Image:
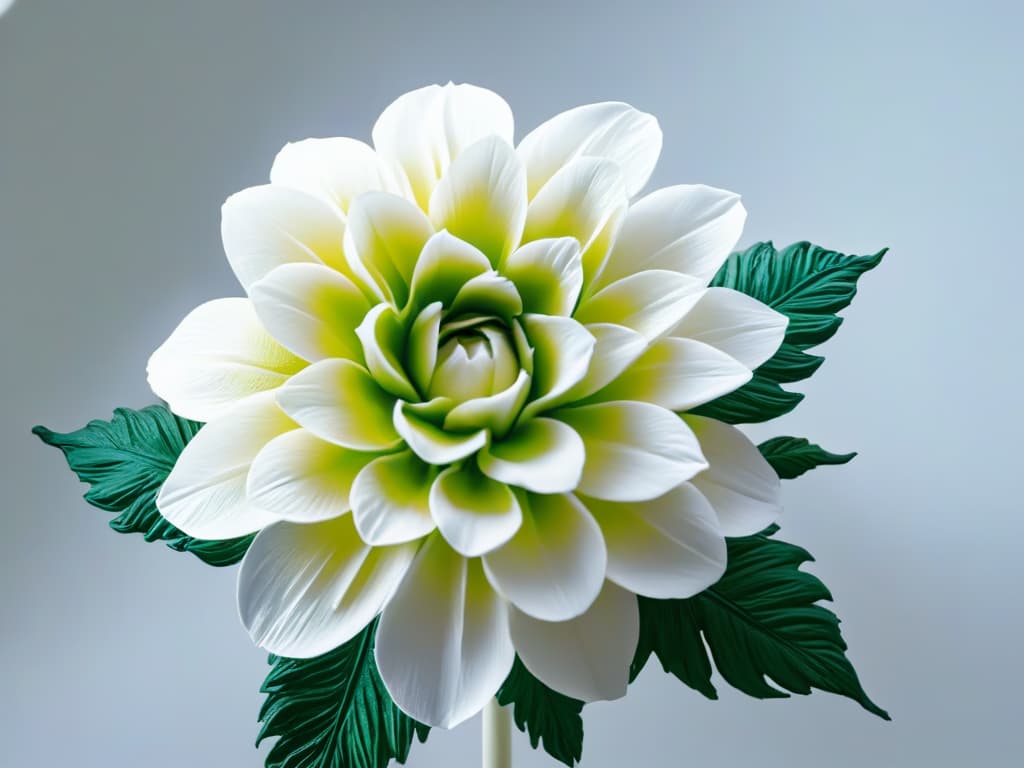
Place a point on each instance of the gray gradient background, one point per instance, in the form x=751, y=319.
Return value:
x=124, y=125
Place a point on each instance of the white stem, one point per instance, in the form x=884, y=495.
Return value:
x=497, y=736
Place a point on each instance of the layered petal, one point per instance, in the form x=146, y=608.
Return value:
x=541, y=455
x=678, y=374
x=425, y=130
x=444, y=267
x=383, y=340
x=219, y=355
x=588, y=657
x=634, y=451
x=482, y=198
x=336, y=170
x=689, y=228
x=312, y=310
x=740, y=484
x=585, y=200
x=474, y=513
x=553, y=568
x=390, y=499
x=650, y=303
x=612, y=130
x=737, y=324
x=562, y=352
x=301, y=478
x=548, y=274
x=339, y=401
x=265, y=227
x=304, y=590
x=432, y=443
x=443, y=645
x=383, y=242
x=205, y=493
x=496, y=412
x=669, y=547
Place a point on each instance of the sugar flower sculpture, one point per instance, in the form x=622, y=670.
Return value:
x=472, y=428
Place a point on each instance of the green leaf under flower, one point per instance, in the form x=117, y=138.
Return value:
x=790, y=457
x=332, y=711
x=761, y=622
x=807, y=283
x=125, y=461
x=544, y=714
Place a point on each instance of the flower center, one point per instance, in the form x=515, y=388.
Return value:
x=472, y=362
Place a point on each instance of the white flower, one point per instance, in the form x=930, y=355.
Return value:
x=452, y=396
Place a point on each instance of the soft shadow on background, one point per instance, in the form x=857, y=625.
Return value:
x=124, y=125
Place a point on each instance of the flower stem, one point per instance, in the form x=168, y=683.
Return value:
x=497, y=736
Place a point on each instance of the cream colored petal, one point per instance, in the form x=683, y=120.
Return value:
x=586, y=658
x=678, y=374
x=336, y=170
x=425, y=130
x=205, y=493
x=304, y=479
x=265, y=227
x=669, y=547
x=443, y=646
x=634, y=451
x=553, y=568
x=304, y=590
x=312, y=310
x=219, y=355
x=482, y=198
x=742, y=487
x=612, y=130
x=339, y=401
x=737, y=324
x=689, y=228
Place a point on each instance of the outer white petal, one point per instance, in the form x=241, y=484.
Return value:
x=553, y=568
x=385, y=236
x=312, y=310
x=541, y=455
x=585, y=200
x=612, y=130
x=443, y=647
x=739, y=483
x=304, y=590
x=204, y=495
x=548, y=274
x=482, y=198
x=218, y=355
x=588, y=657
x=336, y=170
x=669, y=547
x=678, y=374
x=650, y=302
x=265, y=227
x=390, y=499
x=615, y=349
x=635, y=451
x=339, y=401
x=301, y=478
x=689, y=229
x=423, y=131
x=474, y=513
x=737, y=324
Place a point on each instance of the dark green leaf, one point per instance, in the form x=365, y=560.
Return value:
x=761, y=622
x=808, y=284
x=544, y=714
x=125, y=461
x=333, y=711
x=792, y=456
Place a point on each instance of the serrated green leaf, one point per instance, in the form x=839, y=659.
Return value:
x=544, y=714
x=792, y=456
x=808, y=284
x=333, y=711
x=761, y=622
x=125, y=461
